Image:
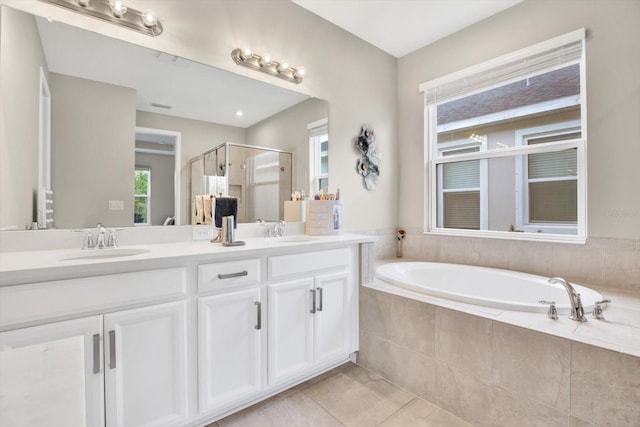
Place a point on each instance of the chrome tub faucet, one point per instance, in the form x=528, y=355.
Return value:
x=577, y=310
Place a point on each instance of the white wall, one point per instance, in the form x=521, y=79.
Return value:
x=92, y=158
x=357, y=79
x=21, y=57
x=613, y=99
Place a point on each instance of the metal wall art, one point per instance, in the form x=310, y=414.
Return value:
x=368, y=164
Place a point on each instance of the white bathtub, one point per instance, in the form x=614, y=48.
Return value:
x=488, y=287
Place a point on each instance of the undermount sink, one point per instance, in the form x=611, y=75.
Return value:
x=291, y=239
x=101, y=253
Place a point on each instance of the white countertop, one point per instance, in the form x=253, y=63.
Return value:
x=24, y=266
x=619, y=331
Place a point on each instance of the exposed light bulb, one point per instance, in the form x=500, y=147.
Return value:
x=300, y=72
x=283, y=68
x=148, y=18
x=265, y=61
x=118, y=9
x=246, y=54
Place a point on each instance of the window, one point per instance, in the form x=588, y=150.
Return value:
x=505, y=145
x=142, y=197
x=319, y=154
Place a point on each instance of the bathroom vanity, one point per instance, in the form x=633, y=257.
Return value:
x=173, y=334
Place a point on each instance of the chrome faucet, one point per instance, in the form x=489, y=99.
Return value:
x=577, y=311
x=104, y=239
x=102, y=236
x=277, y=228
x=272, y=229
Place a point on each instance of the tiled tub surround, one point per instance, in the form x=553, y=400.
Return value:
x=491, y=373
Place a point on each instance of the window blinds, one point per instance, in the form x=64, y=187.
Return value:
x=554, y=54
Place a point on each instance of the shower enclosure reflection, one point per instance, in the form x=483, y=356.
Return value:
x=260, y=178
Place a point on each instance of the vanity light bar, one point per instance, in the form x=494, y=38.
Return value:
x=115, y=12
x=267, y=64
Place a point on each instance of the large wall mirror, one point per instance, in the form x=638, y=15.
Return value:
x=124, y=123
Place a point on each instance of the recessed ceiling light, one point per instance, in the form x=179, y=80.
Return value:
x=239, y=113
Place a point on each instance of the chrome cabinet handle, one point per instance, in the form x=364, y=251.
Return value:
x=259, y=315
x=321, y=299
x=112, y=349
x=96, y=353
x=313, y=301
x=231, y=275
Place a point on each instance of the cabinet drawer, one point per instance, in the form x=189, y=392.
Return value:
x=319, y=261
x=230, y=274
x=37, y=301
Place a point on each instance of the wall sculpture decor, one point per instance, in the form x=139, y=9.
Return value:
x=369, y=162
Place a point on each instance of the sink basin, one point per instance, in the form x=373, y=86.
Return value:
x=291, y=239
x=101, y=253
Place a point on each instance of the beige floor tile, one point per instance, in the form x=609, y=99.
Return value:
x=293, y=410
x=357, y=397
x=420, y=413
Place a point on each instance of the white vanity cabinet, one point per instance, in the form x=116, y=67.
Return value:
x=230, y=334
x=309, y=316
x=121, y=368
x=53, y=372
x=146, y=366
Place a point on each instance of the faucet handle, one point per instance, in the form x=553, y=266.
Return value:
x=111, y=241
x=87, y=243
x=597, y=309
x=552, y=313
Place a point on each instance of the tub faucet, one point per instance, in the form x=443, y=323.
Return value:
x=577, y=311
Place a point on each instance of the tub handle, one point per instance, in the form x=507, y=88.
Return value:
x=552, y=313
x=597, y=309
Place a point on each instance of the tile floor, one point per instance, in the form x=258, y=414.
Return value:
x=346, y=396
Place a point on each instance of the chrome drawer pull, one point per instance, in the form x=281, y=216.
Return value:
x=313, y=301
x=231, y=275
x=96, y=353
x=259, y=315
x=321, y=299
x=112, y=349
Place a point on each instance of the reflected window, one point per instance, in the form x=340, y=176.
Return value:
x=319, y=155
x=505, y=145
x=142, y=196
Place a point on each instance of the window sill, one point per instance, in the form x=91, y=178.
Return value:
x=509, y=235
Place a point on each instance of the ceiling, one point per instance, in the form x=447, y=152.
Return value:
x=192, y=90
x=401, y=26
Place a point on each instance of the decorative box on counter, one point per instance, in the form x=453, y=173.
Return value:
x=295, y=211
x=324, y=217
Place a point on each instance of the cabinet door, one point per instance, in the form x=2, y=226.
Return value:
x=290, y=329
x=52, y=374
x=145, y=366
x=229, y=356
x=331, y=320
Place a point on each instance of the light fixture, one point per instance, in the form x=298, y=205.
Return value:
x=265, y=63
x=116, y=12
x=239, y=113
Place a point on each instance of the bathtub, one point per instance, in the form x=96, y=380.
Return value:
x=488, y=287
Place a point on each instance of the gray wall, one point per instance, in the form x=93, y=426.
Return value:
x=288, y=131
x=92, y=160
x=612, y=95
x=162, y=200
x=357, y=79
x=21, y=57
x=196, y=138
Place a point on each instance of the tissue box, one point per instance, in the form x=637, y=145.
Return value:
x=324, y=217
